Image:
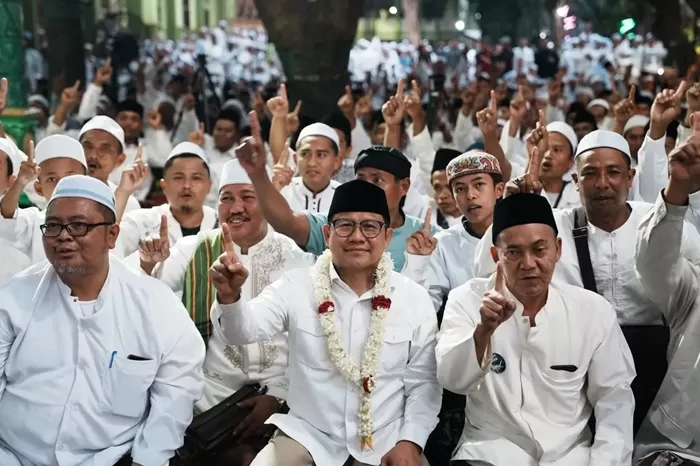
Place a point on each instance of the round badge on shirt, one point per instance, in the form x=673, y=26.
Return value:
x=498, y=364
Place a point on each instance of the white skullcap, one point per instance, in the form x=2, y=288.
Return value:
x=542, y=94
x=603, y=138
x=105, y=124
x=59, y=146
x=188, y=148
x=600, y=102
x=234, y=173
x=85, y=187
x=637, y=121
x=566, y=131
x=587, y=91
x=318, y=129
x=38, y=99
x=13, y=153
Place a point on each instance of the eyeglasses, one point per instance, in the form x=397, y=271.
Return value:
x=369, y=228
x=52, y=230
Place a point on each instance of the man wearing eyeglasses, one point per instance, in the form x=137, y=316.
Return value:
x=88, y=372
x=362, y=371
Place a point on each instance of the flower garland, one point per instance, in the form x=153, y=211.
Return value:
x=362, y=375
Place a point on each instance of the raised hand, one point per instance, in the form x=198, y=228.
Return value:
x=197, y=137
x=251, y=152
x=228, y=274
x=519, y=106
x=667, y=106
x=293, y=118
x=70, y=96
x=134, y=175
x=4, y=85
x=413, y=102
x=684, y=163
x=104, y=73
x=422, y=242
x=530, y=181
x=282, y=173
x=346, y=103
x=487, y=119
x=393, y=109
x=625, y=109
x=156, y=249
x=538, y=137
x=28, y=169
x=279, y=105
x=692, y=98
x=495, y=308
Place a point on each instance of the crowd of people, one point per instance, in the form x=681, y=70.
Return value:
x=501, y=271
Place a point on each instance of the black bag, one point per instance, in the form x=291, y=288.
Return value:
x=648, y=343
x=209, y=432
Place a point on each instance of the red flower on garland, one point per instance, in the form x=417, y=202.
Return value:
x=381, y=302
x=368, y=384
x=325, y=307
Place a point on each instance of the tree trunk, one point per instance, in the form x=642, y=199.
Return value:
x=667, y=26
x=64, y=32
x=313, y=39
x=411, y=16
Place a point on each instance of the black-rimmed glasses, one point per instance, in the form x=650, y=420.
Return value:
x=52, y=230
x=369, y=228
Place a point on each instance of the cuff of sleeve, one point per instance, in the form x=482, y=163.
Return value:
x=694, y=200
x=148, y=458
x=661, y=142
x=414, y=432
x=416, y=264
x=673, y=212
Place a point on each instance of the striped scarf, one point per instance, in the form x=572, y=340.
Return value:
x=199, y=293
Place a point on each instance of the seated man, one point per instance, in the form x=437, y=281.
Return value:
x=97, y=361
x=362, y=386
x=535, y=358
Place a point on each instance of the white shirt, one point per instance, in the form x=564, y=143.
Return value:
x=22, y=232
x=301, y=198
x=612, y=256
x=323, y=405
x=673, y=422
x=227, y=368
x=131, y=204
x=519, y=409
x=60, y=401
x=445, y=269
x=145, y=223
x=567, y=198
x=13, y=260
x=130, y=152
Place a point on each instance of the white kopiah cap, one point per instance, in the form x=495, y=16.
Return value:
x=234, y=173
x=59, y=146
x=318, y=129
x=637, y=121
x=566, y=131
x=85, y=187
x=15, y=155
x=598, y=102
x=105, y=124
x=188, y=148
x=603, y=139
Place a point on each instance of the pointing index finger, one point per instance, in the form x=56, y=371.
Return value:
x=163, y=228
x=4, y=84
x=534, y=167
x=498, y=285
x=226, y=239
x=682, y=87
x=30, y=154
x=428, y=220
x=284, y=156
x=493, y=104
x=283, y=92
x=632, y=94
x=139, y=154
x=399, y=90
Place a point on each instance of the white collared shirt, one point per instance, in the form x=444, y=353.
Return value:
x=323, y=405
x=145, y=223
x=22, y=232
x=520, y=409
x=69, y=391
x=301, y=198
x=612, y=257
x=13, y=260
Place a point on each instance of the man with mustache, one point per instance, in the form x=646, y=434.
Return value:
x=606, y=225
x=185, y=267
x=186, y=183
x=535, y=358
x=103, y=142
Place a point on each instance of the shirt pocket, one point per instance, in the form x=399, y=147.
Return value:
x=310, y=346
x=395, y=350
x=128, y=386
x=563, y=398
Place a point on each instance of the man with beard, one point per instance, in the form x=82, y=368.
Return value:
x=54, y=158
x=186, y=183
x=184, y=268
x=88, y=372
x=535, y=358
x=103, y=142
x=597, y=254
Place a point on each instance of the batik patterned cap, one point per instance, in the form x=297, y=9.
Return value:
x=474, y=161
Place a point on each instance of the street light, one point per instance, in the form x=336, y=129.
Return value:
x=393, y=10
x=563, y=11
x=459, y=25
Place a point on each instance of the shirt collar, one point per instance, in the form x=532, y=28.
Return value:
x=336, y=280
x=254, y=248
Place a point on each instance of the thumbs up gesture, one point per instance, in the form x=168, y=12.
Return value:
x=422, y=243
x=228, y=274
x=495, y=308
x=157, y=249
x=28, y=169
